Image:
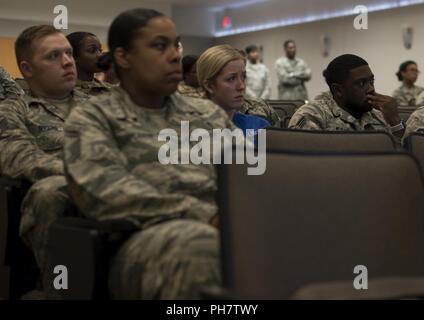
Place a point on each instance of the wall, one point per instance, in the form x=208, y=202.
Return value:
x=381, y=45
x=83, y=15
x=195, y=45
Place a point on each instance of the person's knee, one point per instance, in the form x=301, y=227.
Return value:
x=45, y=201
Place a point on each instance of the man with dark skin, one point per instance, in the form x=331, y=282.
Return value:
x=292, y=73
x=352, y=103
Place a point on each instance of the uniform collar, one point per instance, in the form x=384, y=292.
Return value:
x=345, y=116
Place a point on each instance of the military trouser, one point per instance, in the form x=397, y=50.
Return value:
x=46, y=201
x=175, y=259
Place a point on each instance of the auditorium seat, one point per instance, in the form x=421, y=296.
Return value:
x=18, y=269
x=328, y=141
x=285, y=109
x=414, y=143
x=312, y=218
x=86, y=247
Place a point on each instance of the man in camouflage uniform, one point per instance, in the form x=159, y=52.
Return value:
x=292, y=73
x=8, y=87
x=114, y=173
x=258, y=82
x=352, y=103
x=31, y=131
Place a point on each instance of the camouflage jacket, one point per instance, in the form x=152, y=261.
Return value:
x=258, y=82
x=31, y=137
x=259, y=108
x=111, y=159
x=420, y=99
x=93, y=88
x=189, y=91
x=415, y=122
x=8, y=87
x=407, y=96
x=292, y=75
x=324, y=114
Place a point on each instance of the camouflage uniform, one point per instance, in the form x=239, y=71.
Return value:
x=23, y=85
x=189, y=91
x=111, y=159
x=258, y=83
x=324, y=114
x=292, y=75
x=415, y=122
x=31, y=144
x=420, y=99
x=8, y=87
x=407, y=96
x=92, y=88
x=259, y=108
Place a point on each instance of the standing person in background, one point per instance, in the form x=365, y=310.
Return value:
x=258, y=83
x=8, y=87
x=292, y=73
x=86, y=51
x=408, y=92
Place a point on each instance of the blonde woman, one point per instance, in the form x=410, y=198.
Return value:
x=221, y=71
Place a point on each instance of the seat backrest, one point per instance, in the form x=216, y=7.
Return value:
x=415, y=144
x=328, y=141
x=313, y=218
x=285, y=109
x=406, y=111
x=18, y=269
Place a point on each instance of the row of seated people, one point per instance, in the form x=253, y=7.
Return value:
x=100, y=154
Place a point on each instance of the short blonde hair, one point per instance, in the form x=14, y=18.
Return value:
x=213, y=60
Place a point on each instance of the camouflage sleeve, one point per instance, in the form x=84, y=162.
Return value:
x=101, y=185
x=305, y=122
x=20, y=156
x=420, y=99
x=415, y=123
x=10, y=88
x=259, y=108
x=284, y=77
x=304, y=72
x=267, y=86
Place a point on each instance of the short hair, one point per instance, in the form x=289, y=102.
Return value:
x=251, y=48
x=287, y=42
x=76, y=39
x=213, y=60
x=24, y=42
x=125, y=27
x=338, y=69
x=187, y=62
x=403, y=67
